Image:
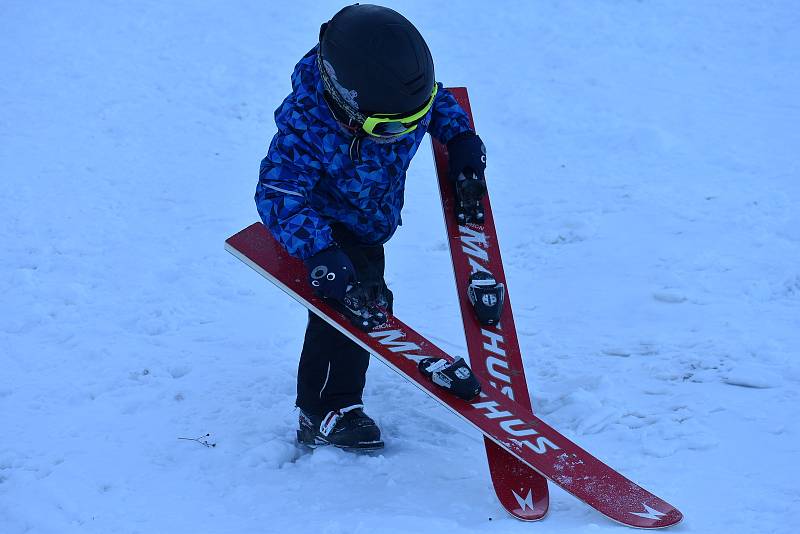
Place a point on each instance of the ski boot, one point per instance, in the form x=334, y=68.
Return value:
x=347, y=428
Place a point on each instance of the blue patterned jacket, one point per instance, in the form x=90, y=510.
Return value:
x=308, y=179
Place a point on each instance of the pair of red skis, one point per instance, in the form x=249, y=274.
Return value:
x=523, y=451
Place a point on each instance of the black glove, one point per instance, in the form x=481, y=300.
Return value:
x=467, y=156
x=467, y=163
x=331, y=273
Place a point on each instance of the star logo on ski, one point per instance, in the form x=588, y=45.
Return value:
x=649, y=513
x=527, y=502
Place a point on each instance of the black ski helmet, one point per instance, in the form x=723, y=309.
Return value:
x=376, y=60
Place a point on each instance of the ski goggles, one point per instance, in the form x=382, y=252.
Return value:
x=386, y=125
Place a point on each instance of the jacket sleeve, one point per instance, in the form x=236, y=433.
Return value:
x=288, y=174
x=447, y=118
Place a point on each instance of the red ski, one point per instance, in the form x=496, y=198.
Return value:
x=494, y=350
x=507, y=423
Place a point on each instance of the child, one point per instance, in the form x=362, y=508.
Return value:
x=331, y=189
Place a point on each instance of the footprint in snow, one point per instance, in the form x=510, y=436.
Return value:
x=669, y=297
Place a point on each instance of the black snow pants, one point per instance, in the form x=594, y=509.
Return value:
x=332, y=370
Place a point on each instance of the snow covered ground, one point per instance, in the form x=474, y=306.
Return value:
x=644, y=175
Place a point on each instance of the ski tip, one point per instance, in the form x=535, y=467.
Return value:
x=527, y=505
x=652, y=517
x=537, y=513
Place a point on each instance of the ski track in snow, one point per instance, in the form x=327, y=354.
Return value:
x=646, y=194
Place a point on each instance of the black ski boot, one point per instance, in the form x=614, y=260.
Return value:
x=347, y=428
